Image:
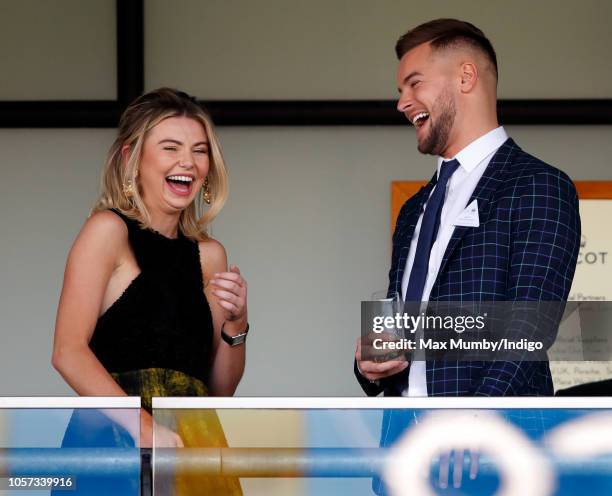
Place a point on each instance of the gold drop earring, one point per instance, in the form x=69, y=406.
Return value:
x=206, y=192
x=128, y=188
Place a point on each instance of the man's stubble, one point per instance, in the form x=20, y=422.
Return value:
x=437, y=140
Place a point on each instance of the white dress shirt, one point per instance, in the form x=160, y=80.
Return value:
x=473, y=160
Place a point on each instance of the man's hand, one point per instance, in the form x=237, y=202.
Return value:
x=458, y=457
x=375, y=370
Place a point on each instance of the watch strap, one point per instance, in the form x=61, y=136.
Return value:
x=236, y=340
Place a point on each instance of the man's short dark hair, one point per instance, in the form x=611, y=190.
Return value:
x=446, y=33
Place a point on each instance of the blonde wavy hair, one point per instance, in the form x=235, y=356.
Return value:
x=142, y=115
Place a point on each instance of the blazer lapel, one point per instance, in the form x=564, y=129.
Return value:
x=488, y=184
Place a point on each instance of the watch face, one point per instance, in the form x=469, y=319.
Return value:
x=234, y=340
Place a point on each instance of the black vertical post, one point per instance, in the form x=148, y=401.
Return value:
x=130, y=50
x=146, y=472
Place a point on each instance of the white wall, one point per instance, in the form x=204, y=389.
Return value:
x=58, y=50
x=307, y=221
x=344, y=49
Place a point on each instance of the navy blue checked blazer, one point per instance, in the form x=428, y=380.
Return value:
x=525, y=248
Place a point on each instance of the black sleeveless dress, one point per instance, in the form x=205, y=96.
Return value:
x=156, y=340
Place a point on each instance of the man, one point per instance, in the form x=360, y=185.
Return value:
x=521, y=240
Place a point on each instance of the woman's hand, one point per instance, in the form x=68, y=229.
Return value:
x=226, y=291
x=231, y=290
x=164, y=437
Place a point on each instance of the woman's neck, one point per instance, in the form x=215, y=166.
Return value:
x=166, y=224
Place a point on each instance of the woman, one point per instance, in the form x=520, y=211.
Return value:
x=148, y=307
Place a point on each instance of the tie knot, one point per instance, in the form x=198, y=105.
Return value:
x=447, y=169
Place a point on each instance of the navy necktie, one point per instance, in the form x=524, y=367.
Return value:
x=428, y=233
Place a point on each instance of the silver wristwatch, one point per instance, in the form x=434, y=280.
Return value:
x=234, y=340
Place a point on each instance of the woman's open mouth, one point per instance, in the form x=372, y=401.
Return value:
x=180, y=185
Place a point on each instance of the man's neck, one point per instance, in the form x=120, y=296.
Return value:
x=469, y=134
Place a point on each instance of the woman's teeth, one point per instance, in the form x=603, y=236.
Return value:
x=180, y=185
x=182, y=179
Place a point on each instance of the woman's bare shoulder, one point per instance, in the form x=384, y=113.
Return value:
x=99, y=249
x=213, y=257
x=103, y=229
x=107, y=221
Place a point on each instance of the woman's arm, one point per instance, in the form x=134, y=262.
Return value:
x=94, y=256
x=227, y=296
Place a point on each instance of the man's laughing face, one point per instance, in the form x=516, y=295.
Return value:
x=426, y=98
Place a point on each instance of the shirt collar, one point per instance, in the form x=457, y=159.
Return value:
x=479, y=149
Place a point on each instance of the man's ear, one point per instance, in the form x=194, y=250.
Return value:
x=469, y=76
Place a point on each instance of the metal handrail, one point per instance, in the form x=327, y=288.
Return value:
x=233, y=462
